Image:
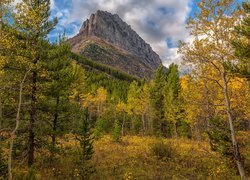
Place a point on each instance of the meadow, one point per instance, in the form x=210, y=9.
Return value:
x=136, y=157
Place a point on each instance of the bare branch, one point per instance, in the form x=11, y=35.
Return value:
x=211, y=79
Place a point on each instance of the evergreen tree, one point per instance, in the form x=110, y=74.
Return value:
x=242, y=44
x=116, y=134
x=32, y=25
x=172, y=98
x=157, y=100
x=219, y=137
x=86, y=151
x=61, y=76
x=26, y=49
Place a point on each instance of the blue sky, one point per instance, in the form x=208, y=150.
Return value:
x=161, y=23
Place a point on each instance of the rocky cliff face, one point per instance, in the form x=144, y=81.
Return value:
x=116, y=43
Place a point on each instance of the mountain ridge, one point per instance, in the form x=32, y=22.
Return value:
x=106, y=38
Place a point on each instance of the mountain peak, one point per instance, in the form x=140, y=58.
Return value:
x=113, y=30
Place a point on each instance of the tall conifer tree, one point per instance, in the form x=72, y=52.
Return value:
x=33, y=25
x=242, y=44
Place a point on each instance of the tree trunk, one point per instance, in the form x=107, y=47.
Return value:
x=237, y=155
x=100, y=107
x=55, y=123
x=143, y=122
x=175, y=130
x=31, y=145
x=123, y=122
x=1, y=18
x=146, y=122
x=1, y=115
x=90, y=114
x=208, y=115
x=1, y=110
x=13, y=133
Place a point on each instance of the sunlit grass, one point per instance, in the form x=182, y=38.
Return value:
x=135, y=158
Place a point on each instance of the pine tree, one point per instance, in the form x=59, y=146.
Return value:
x=172, y=98
x=116, y=134
x=219, y=137
x=157, y=100
x=61, y=76
x=32, y=25
x=86, y=151
x=242, y=44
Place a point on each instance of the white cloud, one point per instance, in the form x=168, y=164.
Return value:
x=154, y=20
x=167, y=17
x=17, y=1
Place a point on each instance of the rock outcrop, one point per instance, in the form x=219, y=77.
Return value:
x=106, y=38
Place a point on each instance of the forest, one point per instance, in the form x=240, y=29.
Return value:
x=63, y=116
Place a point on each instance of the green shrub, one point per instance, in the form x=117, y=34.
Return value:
x=220, y=137
x=3, y=166
x=31, y=174
x=116, y=134
x=105, y=122
x=164, y=151
x=84, y=169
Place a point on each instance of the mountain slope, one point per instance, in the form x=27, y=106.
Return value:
x=95, y=66
x=105, y=38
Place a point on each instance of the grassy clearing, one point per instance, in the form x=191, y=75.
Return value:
x=151, y=158
x=135, y=158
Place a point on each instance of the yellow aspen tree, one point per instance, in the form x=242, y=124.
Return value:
x=139, y=103
x=212, y=28
x=101, y=97
x=121, y=107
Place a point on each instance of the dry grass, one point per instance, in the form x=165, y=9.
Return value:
x=134, y=158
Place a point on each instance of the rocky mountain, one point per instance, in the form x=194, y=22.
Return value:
x=107, y=39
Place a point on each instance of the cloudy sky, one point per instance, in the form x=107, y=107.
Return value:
x=161, y=23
